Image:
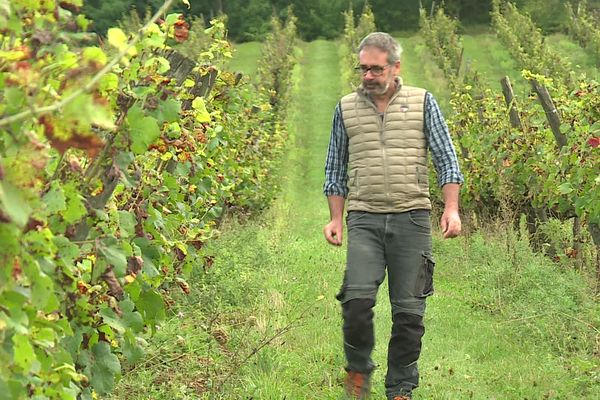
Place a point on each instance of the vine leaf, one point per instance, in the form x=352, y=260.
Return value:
x=118, y=39
x=13, y=203
x=55, y=199
x=132, y=319
x=23, y=352
x=75, y=209
x=105, y=369
x=151, y=306
x=168, y=111
x=202, y=114
x=114, y=255
x=143, y=130
x=131, y=350
x=127, y=223
x=42, y=292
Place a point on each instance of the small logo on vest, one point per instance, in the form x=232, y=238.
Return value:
x=404, y=107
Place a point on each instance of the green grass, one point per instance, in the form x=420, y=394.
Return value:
x=262, y=323
x=485, y=54
x=580, y=59
x=245, y=58
x=418, y=68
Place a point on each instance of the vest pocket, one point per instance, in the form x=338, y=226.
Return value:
x=422, y=179
x=355, y=183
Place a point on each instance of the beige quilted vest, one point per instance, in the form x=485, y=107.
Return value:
x=387, y=166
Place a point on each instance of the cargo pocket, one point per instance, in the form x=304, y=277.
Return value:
x=425, y=278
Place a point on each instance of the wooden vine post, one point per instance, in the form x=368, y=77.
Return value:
x=509, y=97
x=561, y=140
x=551, y=112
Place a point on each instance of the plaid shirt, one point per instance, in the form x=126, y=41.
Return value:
x=438, y=140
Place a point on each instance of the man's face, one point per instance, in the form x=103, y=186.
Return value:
x=377, y=74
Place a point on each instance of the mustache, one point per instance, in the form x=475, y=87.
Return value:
x=378, y=86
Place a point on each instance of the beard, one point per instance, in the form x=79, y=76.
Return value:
x=375, y=88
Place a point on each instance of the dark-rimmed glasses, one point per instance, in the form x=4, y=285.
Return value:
x=376, y=70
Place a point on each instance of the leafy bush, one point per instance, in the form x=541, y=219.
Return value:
x=116, y=165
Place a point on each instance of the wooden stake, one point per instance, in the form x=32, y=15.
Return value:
x=551, y=112
x=509, y=97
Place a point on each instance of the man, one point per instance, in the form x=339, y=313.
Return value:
x=377, y=159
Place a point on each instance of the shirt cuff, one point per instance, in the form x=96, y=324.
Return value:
x=335, y=190
x=451, y=177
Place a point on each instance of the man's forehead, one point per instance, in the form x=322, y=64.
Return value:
x=373, y=53
x=373, y=50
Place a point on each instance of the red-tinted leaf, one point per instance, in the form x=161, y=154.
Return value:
x=17, y=270
x=134, y=265
x=67, y=5
x=90, y=143
x=182, y=30
x=113, y=284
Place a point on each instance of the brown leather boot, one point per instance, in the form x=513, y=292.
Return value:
x=357, y=385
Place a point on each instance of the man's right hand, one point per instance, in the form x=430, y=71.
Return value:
x=334, y=232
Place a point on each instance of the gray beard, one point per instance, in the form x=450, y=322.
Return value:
x=378, y=90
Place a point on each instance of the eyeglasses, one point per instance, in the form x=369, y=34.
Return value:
x=376, y=70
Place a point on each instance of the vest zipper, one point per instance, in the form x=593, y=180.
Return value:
x=386, y=178
x=381, y=122
x=386, y=170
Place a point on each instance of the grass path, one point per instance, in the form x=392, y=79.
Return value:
x=244, y=59
x=485, y=54
x=263, y=323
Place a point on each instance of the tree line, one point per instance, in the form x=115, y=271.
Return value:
x=250, y=19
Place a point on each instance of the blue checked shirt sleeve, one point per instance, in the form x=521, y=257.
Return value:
x=336, y=164
x=440, y=144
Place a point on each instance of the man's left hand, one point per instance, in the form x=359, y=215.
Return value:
x=450, y=224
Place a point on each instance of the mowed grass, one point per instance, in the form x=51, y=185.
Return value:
x=581, y=59
x=261, y=321
x=418, y=68
x=245, y=58
x=485, y=54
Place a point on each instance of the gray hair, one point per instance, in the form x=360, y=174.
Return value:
x=385, y=42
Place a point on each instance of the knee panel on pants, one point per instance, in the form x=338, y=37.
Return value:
x=358, y=321
x=405, y=343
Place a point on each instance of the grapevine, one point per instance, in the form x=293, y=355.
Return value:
x=524, y=166
x=117, y=161
x=353, y=34
x=584, y=29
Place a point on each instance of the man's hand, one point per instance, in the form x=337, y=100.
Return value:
x=450, y=224
x=450, y=221
x=334, y=232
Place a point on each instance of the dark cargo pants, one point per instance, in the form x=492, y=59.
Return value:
x=400, y=242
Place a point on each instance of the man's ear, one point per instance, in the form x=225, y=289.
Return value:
x=397, y=68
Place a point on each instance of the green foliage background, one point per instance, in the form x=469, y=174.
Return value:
x=249, y=19
x=116, y=165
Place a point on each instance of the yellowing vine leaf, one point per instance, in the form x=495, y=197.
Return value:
x=202, y=114
x=118, y=39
